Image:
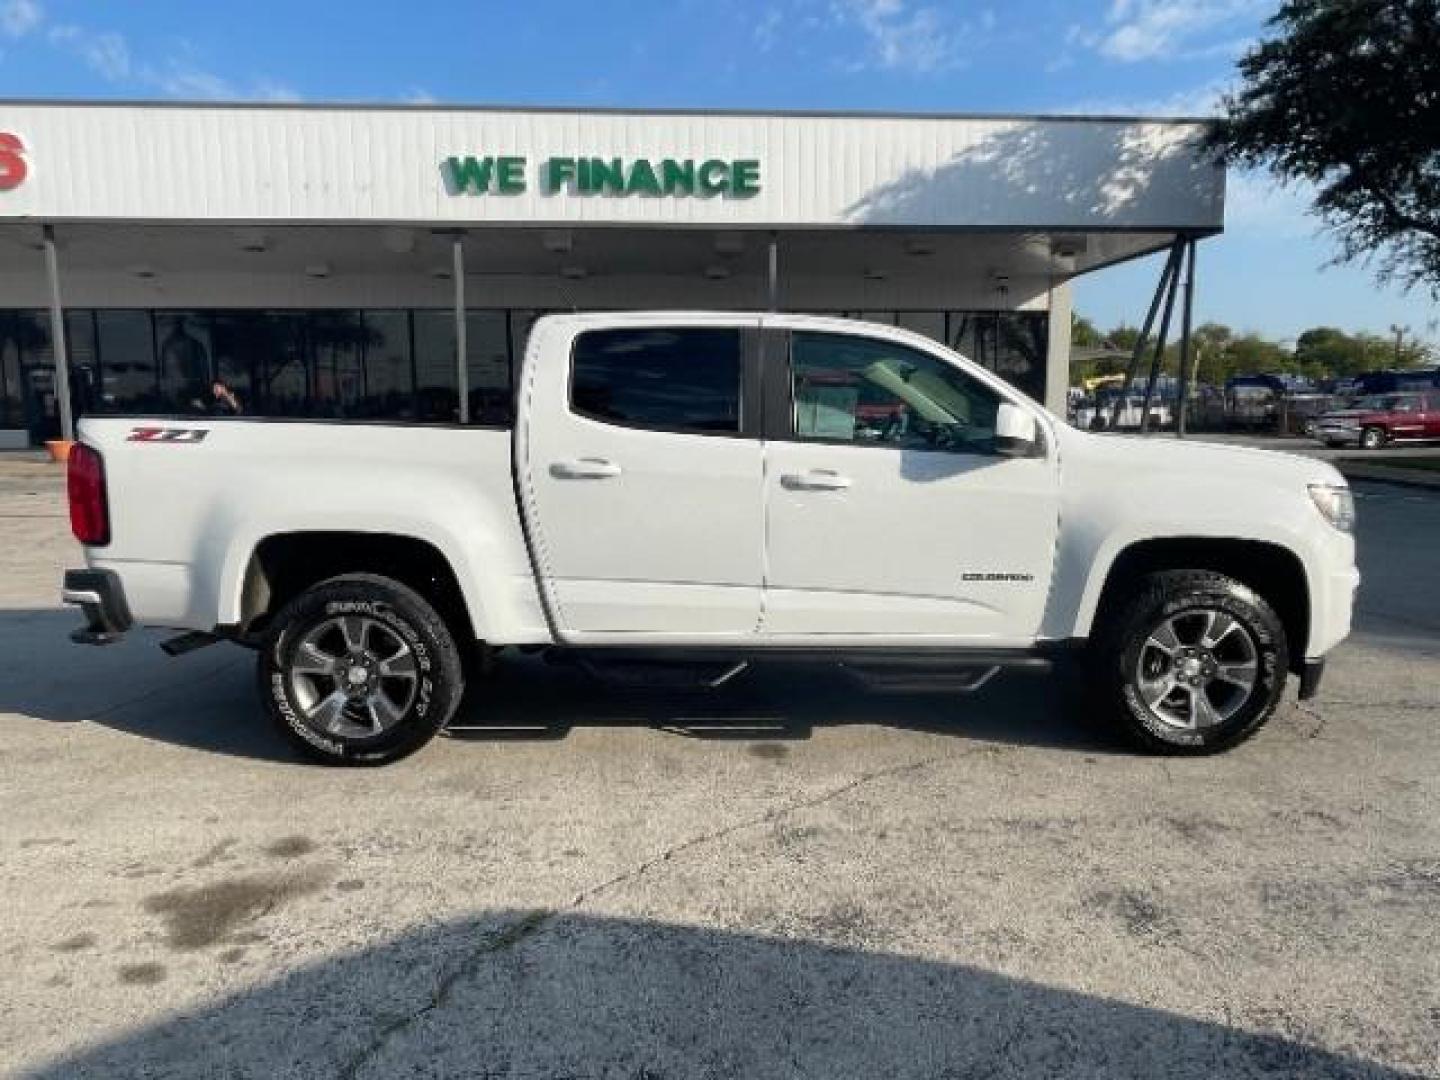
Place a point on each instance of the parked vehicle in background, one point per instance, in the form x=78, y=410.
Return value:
x=1371, y=383
x=1377, y=419
x=1095, y=413
x=1252, y=401
x=706, y=491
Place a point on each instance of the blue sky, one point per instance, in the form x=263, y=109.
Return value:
x=1268, y=272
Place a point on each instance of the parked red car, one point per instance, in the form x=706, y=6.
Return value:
x=1373, y=421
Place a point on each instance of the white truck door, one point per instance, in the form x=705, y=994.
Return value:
x=640, y=465
x=889, y=512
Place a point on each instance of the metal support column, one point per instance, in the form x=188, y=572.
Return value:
x=1187, y=377
x=1159, y=355
x=462, y=373
x=57, y=337
x=1171, y=267
x=773, y=296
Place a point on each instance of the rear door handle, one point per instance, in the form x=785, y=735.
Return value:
x=584, y=469
x=815, y=480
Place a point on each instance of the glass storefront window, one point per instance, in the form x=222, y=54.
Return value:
x=435, y=392
x=929, y=323
x=389, y=376
x=487, y=367
x=184, y=353
x=394, y=364
x=338, y=341
x=128, y=382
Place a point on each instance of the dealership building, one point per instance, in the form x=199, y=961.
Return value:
x=387, y=262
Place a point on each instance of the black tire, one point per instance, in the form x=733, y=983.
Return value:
x=1372, y=438
x=1128, y=638
x=411, y=707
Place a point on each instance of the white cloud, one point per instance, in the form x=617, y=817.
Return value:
x=1255, y=202
x=418, y=95
x=108, y=53
x=1202, y=100
x=19, y=17
x=767, y=29
x=182, y=81
x=901, y=36
x=1136, y=30
x=105, y=52
x=272, y=90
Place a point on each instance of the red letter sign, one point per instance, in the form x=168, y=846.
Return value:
x=12, y=161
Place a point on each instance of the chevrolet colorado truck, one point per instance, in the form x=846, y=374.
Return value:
x=696, y=493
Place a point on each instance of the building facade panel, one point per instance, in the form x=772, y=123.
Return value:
x=166, y=163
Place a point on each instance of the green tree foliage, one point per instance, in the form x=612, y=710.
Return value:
x=1345, y=95
x=1220, y=353
x=1083, y=333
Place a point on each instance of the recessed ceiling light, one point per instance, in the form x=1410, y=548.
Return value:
x=716, y=272
x=918, y=246
x=574, y=273
x=318, y=270
x=557, y=240
x=441, y=272
x=873, y=274
x=143, y=271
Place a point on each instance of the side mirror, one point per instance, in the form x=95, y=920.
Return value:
x=1015, y=431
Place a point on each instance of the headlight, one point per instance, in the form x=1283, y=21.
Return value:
x=1335, y=504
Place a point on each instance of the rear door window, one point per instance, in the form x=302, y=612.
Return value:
x=684, y=379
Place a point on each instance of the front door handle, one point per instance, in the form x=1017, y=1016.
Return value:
x=815, y=480
x=584, y=469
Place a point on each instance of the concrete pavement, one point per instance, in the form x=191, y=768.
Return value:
x=790, y=878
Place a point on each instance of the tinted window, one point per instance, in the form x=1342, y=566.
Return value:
x=864, y=390
x=675, y=380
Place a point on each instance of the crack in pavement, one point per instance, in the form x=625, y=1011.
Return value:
x=1403, y=706
x=536, y=921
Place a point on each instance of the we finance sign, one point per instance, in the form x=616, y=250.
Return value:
x=610, y=176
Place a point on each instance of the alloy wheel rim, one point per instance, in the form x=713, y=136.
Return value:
x=1197, y=669
x=353, y=676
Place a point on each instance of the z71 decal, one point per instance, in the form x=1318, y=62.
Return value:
x=167, y=434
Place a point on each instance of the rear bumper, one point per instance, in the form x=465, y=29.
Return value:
x=101, y=599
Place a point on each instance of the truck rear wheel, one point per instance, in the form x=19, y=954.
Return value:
x=359, y=670
x=1193, y=663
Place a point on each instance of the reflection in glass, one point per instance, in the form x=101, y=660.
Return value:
x=389, y=376
x=674, y=380
x=127, y=362
x=184, y=355
x=863, y=390
x=435, y=384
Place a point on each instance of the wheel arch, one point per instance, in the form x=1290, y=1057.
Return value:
x=1271, y=570
x=281, y=565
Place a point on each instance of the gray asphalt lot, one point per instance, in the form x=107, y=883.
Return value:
x=791, y=878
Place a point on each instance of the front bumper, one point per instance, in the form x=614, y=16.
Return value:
x=101, y=598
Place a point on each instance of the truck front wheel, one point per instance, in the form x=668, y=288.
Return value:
x=1194, y=662
x=359, y=670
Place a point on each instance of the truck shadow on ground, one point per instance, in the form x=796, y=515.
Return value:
x=551, y=994
x=207, y=700
x=529, y=699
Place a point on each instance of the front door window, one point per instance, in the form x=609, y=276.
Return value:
x=872, y=392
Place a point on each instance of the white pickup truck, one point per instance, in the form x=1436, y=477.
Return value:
x=699, y=492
